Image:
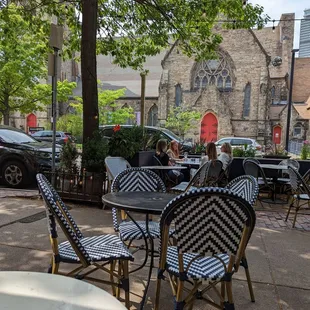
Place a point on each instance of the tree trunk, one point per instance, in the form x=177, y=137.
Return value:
x=6, y=112
x=89, y=68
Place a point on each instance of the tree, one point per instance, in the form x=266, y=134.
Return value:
x=109, y=111
x=181, y=119
x=132, y=30
x=22, y=63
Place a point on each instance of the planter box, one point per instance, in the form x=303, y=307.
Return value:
x=142, y=158
x=277, y=156
x=237, y=167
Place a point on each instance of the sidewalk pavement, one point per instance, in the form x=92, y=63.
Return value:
x=279, y=256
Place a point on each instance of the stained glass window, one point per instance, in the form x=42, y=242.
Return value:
x=213, y=72
x=178, y=95
x=247, y=100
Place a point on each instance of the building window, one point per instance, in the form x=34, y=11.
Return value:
x=178, y=95
x=213, y=72
x=273, y=93
x=247, y=100
x=297, y=131
x=152, y=119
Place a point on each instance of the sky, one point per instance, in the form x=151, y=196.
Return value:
x=274, y=8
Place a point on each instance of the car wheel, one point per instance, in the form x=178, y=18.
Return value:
x=14, y=174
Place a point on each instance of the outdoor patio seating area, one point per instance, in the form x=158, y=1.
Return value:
x=277, y=254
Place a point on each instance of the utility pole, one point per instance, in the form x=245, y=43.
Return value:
x=142, y=103
x=289, y=104
x=56, y=40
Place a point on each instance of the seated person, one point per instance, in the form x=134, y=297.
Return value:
x=211, y=153
x=173, y=151
x=226, y=154
x=161, y=154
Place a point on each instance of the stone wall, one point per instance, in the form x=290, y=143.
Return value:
x=301, y=83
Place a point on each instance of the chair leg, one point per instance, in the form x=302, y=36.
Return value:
x=112, y=267
x=179, y=304
x=222, y=294
x=295, y=216
x=126, y=283
x=289, y=210
x=229, y=305
x=119, y=275
x=244, y=263
x=158, y=286
x=55, y=266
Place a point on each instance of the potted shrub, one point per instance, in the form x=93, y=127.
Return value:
x=276, y=151
x=133, y=144
x=68, y=157
x=246, y=151
x=95, y=151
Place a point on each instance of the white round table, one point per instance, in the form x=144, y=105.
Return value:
x=38, y=291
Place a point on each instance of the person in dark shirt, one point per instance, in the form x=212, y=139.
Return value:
x=161, y=154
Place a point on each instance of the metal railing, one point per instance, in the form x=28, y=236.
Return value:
x=85, y=186
x=294, y=147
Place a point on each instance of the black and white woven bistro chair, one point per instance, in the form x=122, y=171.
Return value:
x=212, y=228
x=88, y=254
x=251, y=167
x=300, y=193
x=114, y=166
x=247, y=187
x=206, y=176
x=198, y=180
x=136, y=180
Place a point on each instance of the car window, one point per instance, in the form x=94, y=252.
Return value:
x=11, y=136
x=222, y=141
x=248, y=142
x=237, y=142
x=108, y=132
x=47, y=134
x=37, y=134
x=170, y=134
x=58, y=134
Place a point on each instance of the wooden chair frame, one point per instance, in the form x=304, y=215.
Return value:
x=85, y=267
x=300, y=191
x=198, y=287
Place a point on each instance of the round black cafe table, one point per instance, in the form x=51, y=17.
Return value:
x=140, y=202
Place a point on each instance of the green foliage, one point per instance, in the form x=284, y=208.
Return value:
x=43, y=92
x=126, y=142
x=110, y=112
x=95, y=151
x=72, y=123
x=143, y=28
x=68, y=157
x=305, y=150
x=23, y=56
x=199, y=147
x=276, y=149
x=246, y=151
x=181, y=119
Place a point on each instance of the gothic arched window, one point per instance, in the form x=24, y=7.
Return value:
x=213, y=72
x=178, y=95
x=152, y=119
x=247, y=100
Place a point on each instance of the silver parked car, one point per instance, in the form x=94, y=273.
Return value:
x=238, y=142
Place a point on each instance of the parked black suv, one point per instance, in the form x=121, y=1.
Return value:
x=107, y=131
x=21, y=157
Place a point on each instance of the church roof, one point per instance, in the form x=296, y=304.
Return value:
x=275, y=110
x=303, y=109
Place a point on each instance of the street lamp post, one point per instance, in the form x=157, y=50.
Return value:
x=289, y=104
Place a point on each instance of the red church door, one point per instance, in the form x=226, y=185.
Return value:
x=208, y=131
x=277, y=134
x=31, y=121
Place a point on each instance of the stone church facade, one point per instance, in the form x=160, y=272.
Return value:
x=236, y=92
